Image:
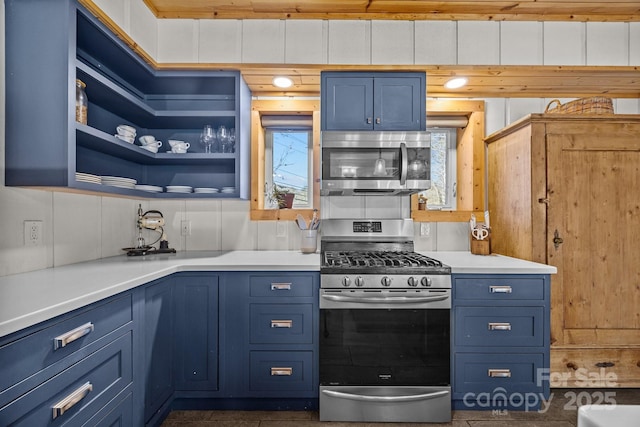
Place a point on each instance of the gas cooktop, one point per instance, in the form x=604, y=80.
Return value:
x=375, y=262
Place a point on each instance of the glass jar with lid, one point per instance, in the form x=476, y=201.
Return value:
x=82, y=102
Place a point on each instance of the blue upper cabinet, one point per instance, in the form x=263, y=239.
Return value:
x=373, y=101
x=46, y=147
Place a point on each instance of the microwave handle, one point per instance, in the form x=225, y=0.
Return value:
x=404, y=163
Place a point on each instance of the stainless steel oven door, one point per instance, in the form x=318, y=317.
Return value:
x=375, y=163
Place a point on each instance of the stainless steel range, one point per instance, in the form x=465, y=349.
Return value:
x=385, y=325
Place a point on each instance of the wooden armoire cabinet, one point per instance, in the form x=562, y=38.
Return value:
x=564, y=190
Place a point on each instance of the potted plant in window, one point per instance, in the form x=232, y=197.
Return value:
x=283, y=197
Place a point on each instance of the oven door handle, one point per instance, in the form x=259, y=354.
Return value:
x=404, y=163
x=384, y=300
x=365, y=398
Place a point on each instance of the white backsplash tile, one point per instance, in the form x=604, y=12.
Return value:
x=392, y=42
x=428, y=241
x=478, y=42
x=520, y=107
x=452, y=236
x=495, y=117
x=634, y=43
x=607, y=43
x=143, y=27
x=77, y=228
x=268, y=238
x=343, y=207
x=436, y=42
x=564, y=43
x=520, y=43
x=115, y=9
x=237, y=230
x=118, y=226
x=173, y=212
x=205, y=218
x=387, y=207
x=349, y=42
x=177, y=40
x=626, y=106
x=263, y=41
x=305, y=42
x=220, y=40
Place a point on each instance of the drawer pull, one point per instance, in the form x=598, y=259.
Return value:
x=281, y=286
x=281, y=323
x=497, y=326
x=499, y=373
x=69, y=337
x=281, y=372
x=70, y=401
x=495, y=289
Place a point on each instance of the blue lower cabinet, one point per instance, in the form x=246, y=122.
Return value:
x=281, y=324
x=281, y=372
x=77, y=393
x=119, y=413
x=158, y=334
x=501, y=339
x=196, y=338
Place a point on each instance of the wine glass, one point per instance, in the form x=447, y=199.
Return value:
x=223, y=138
x=232, y=140
x=207, y=138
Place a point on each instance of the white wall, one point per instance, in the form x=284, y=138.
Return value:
x=80, y=227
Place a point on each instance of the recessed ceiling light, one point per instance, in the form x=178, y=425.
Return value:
x=456, y=83
x=283, y=82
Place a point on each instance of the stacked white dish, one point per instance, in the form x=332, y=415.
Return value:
x=149, y=188
x=228, y=190
x=118, y=181
x=205, y=190
x=126, y=133
x=179, y=189
x=87, y=177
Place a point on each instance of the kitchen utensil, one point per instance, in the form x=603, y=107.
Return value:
x=480, y=233
x=302, y=223
x=380, y=168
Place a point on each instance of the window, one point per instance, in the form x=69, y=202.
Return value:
x=464, y=181
x=442, y=194
x=285, y=151
x=289, y=166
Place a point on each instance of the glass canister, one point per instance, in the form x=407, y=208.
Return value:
x=82, y=102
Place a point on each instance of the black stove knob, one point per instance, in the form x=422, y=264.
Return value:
x=412, y=282
x=359, y=281
x=385, y=281
x=425, y=281
x=346, y=281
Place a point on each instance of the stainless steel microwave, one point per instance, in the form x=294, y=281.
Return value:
x=375, y=163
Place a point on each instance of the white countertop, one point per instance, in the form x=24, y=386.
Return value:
x=30, y=298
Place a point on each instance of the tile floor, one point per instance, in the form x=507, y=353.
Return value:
x=561, y=412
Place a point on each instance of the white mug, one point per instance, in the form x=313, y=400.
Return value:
x=151, y=147
x=149, y=140
x=177, y=143
x=126, y=130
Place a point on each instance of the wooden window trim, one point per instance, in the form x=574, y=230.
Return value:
x=288, y=107
x=471, y=163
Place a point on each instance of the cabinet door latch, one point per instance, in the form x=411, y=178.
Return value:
x=557, y=240
x=544, y=200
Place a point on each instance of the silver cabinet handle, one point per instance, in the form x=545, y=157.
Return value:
x=366, y=398
x=499, y=373
x=69, y=337
x=282, y=323
x=383, y=300
x=279, y=372
x=70, y=401
x=378, y=120
x=495, y=289
x=405, y=163
x=369, y=121
x=281, y=286
x=497, y=326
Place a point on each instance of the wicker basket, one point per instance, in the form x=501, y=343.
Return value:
x=593, y=105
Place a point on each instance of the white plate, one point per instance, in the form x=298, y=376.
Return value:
x=179, y=187
x=118, y=179
x=228, y=190
x=205, y=190
x=150, y=188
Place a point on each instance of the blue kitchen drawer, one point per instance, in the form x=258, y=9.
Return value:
x=118, y=413
x=107, y=372
x=281, y=371
x=281, y=323
x=499, y=326
x=34, y=353
x=485, y=373
x=281, y=285
x=499, y=288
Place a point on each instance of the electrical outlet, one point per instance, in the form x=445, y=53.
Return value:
x=33, y=233
x=185, y=228
x=281, y=229
x=425, y=229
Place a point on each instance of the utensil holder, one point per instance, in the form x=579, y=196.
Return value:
x=481, y=247
x=308, y=241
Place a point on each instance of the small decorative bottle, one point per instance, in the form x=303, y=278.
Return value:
x=81, y=102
